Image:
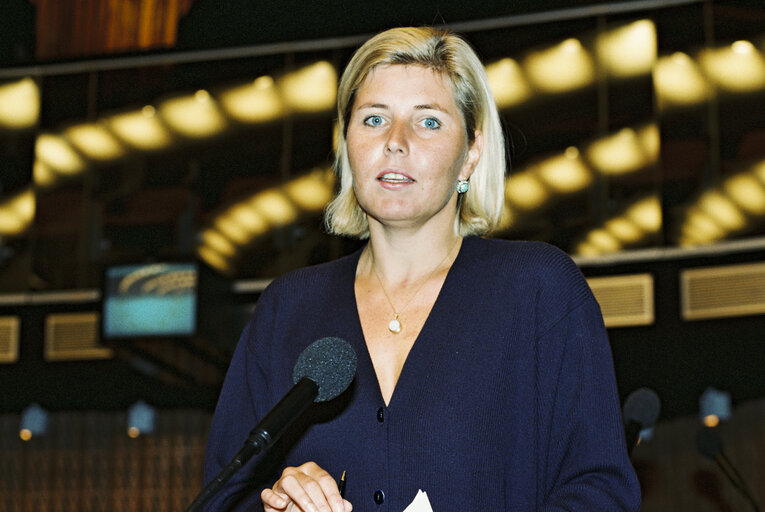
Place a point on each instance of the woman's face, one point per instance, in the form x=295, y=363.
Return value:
x=407, y=146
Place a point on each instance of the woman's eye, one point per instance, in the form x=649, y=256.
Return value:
x=431, y=123
x=373, y=121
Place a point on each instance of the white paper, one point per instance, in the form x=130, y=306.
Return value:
x=421, y=503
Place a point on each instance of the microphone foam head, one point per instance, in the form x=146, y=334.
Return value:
x=330, y=363
x=642, y=406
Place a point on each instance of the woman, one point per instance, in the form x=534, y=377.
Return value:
x=485, y=377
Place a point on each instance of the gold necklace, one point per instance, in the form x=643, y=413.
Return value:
x=395, y=325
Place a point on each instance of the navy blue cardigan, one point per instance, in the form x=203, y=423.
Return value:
x=507, y=401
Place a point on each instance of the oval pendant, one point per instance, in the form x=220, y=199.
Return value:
x=394, y=326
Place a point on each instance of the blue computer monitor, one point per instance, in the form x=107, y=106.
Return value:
x=150, y=300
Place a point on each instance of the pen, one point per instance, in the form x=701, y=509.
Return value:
x=341, y=485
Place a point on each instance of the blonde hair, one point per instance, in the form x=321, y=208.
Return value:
x=481, y=206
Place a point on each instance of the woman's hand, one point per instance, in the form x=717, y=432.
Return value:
x=306, y=488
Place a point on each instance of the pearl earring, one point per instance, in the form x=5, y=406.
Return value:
x=462, y=186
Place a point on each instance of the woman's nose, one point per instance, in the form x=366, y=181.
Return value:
x=397, y=139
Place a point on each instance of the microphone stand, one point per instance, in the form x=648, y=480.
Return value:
x=263, y=435
x=735, y=478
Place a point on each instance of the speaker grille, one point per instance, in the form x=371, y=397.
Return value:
x=717, y=292
x=73, y=336
x=9, y=339
x=625, y=300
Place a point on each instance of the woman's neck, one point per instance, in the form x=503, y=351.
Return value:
x=404, y=257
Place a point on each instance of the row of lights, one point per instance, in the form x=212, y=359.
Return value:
x=626, y=51
x=627, y=151
x=733, y=206
x=140, y=420
x=680, y=79
x=639, y=221
x=201, y=115
x=70, y=153
x=244, y=221
x=623, y=52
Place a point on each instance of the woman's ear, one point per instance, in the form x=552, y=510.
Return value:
x=473, y=156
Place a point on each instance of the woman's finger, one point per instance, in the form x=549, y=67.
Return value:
x=307, y=488
x=305, y=492
x=329, y=489
x=273, y=501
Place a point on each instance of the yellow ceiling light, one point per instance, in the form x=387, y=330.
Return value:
x=507, y=83
x=196, y=115
x=650, y=140
x=586, y=249
x=747, y=192
x=141, y=129
x=232, y=229
x=242, y=223
x=42, y=175
x=95, y=141
x=313, y=191
x=257, y=102
x=213, y=258
x=19, y=104
x=571, y=152
x=603, y=241
x=646, y=214
x=700, y=228
x=624, y=230
x=620, y=153
x=629, y=50
x=566, y=66
x=215, y=240
x=17, y=212
x=275, y=207
x=625, y=151
x=57, y=154
x=739, y=67
x=678, y=81
x=247, y=219
x=758, y=171
x=565, y=173
x=525, y=191
x=722, y=210
x=310, y=89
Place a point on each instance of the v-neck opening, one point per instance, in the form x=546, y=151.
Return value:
x=417, y=340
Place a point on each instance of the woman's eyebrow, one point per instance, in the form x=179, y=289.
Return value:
x=383, y=106
x=374, y=105
x=434, y=106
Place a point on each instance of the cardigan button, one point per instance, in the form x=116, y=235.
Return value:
x=379, y=497
x=380, y=415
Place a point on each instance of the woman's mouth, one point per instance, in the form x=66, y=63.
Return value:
x=394, y=177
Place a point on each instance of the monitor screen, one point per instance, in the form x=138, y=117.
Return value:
x=157, y=299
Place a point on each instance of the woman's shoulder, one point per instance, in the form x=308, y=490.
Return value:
x=321, y=275
x=536, y=268
x=526, y=255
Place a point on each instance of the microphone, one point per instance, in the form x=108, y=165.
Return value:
x=710, y=445
x=640, y=411
x=323, y=371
